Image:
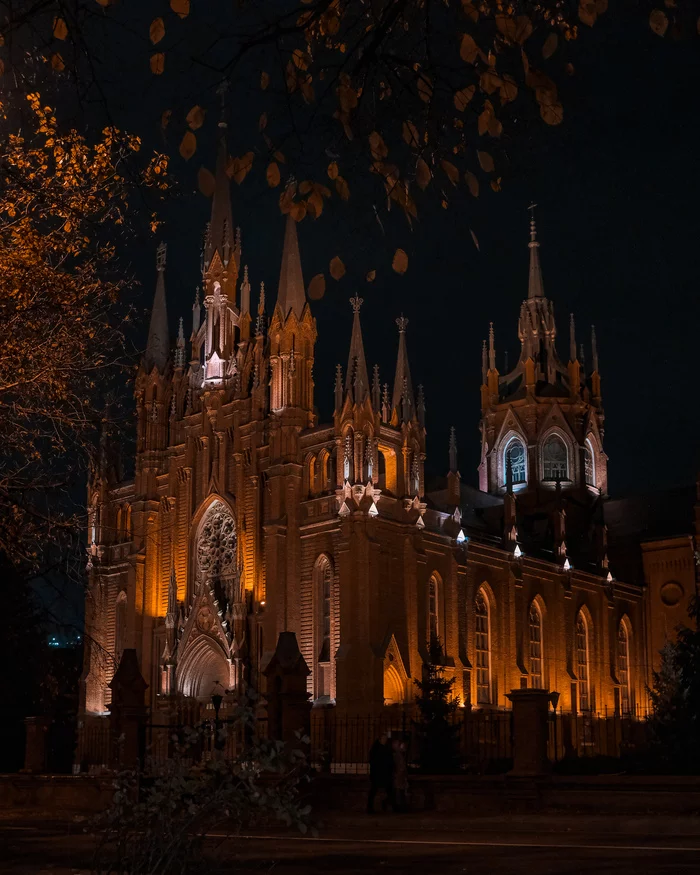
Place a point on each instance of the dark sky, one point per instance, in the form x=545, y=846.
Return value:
x=618, y=188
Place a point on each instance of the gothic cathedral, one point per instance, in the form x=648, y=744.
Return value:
x=246, y=517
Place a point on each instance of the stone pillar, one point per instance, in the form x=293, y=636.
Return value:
x=530, y=732
x=36, y=746
x=288, y=705
x=128, y=711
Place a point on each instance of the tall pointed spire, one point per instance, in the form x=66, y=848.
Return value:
x=158, y=346
x=260, y=321
x=402, y=399
x=180, y=345
x=376, y=390
x=572, y=338
x=594, y=349
x=535, y=287
x=484, y=362
x=492, y=348
x=356, y=377
x=291, y=294
x=220, y=232
x=245, y=292
x=453, y=449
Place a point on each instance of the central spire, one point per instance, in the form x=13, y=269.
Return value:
x=220, y=232
x=402, y=400
x=535, y=287
x=158, y=346
x=356, y=377
x=291, y=294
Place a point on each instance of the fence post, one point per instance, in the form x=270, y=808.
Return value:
x=288, y=705
x=36, y=746
x=530, y=731
x=127, y=711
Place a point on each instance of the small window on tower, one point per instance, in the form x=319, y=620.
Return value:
x=589, y=463
x=515, y=456
x=555, y=459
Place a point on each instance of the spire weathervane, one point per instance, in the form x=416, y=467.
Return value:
x=533, y=227
x=402, y=322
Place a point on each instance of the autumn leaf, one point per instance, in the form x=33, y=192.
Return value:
x=188, y=146
x=157, y=63
x=57, y=62
x=371, y=276
x=423, y=174
x=552, y=113
x=425, y=88
x=262, y=121
x=550, y=45
x=341, y=187
x=658, y=22
x=587, y=12
x=377, y=146
x=181, y=7
x=272, y=174
x=60, y=31
x=468, y=49
x=333, y=170
x=195, y=117
x=337, y=268
x=486, y=161
x=264, y=80
x=240, y=167
x=463, y=96
x=410, y=133
x=156, y=31
x=206, y=181
x=400, y=261
x=472, y=183
x=298, y=210
x=165, y=118
x=317, y=287
x=450, y=171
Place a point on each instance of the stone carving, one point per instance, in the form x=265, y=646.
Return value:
x=216, y=547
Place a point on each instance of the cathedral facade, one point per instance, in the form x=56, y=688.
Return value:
x=247, y=517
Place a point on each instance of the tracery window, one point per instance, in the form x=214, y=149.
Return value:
x=535, y=627
x=589, y=465
x=325, y=630
x=433, y=617
x=216, y=551
x=483, y=649
x=584, y=701
x=623, y=667
x=555, y=459
x=515, y=454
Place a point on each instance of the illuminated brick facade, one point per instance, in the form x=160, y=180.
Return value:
x=246, y=517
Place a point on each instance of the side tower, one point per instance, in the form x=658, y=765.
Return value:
x=542, y=423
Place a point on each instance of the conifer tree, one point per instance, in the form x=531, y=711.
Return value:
x=437, y=708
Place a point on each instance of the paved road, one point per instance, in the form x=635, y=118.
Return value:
x=46, y=850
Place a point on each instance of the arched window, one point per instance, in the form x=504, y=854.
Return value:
x=433, y=609
x=216, y=553
x=483, y=649
x=120, y=627
x=623, y=667
x=588, y=463
x=582, y=665
x=515, y=455
x=348, y=451
x=535, y=627
x=326, y=630
x=555, y=460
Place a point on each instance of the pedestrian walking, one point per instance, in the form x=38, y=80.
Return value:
x=381, y=772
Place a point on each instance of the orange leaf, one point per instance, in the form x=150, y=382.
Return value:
x=486, y=161
x=181, y=7
x=188, y=146
x=400, y=261
x=337, y=268
x=468, y=49
x=552, y=113
x=587, y=12
x=272, y=174
x=341, y=187
x=156, y=31
x=371, y=275
x=206, y=181
x=425, y=88
x=165, y=118
x=472, y=183
x=423, y=174
x=157, y=63
x=57, y=62
x=60, y=31
x=317, y=287
x=298, y=210
x=264, y=80
x=550, y=45
x=658, y=22
x=377, y=146
x=451, y=171
x=463, y=96
x=410, y=133
x=241, y=167
x=332, y=170
x=195, y=117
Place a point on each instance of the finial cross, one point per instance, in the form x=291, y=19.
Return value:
x=356, y=303
x=402, y=322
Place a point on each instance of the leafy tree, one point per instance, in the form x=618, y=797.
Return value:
x=159, y=820
x=62, y=200
x=675, y=699
x=438, y=707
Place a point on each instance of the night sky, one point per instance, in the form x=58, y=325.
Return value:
x=618, y=189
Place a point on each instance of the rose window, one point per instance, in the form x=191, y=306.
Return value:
x=216, y=547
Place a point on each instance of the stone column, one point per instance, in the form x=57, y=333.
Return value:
x=530, y=732
x=36, y=745
x=288, y=705
x=128, y=711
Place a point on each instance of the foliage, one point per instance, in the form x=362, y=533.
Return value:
x=159, y=826
x=61, y=308
x=437, y=707
x=675, y=699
